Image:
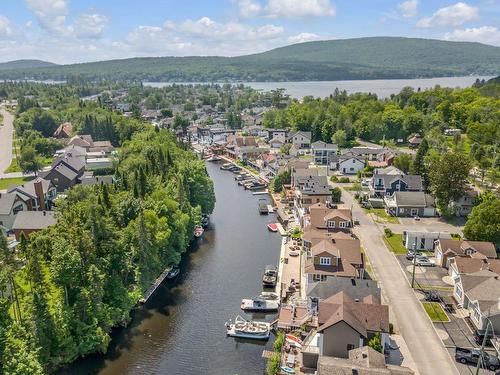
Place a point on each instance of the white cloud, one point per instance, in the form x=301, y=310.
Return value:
x=483, y=34
x=5, y=26
x=90, y=25
x=453, y=15
x=286, y=8
x=51, y=14
x=408, y=9
x=303, y=37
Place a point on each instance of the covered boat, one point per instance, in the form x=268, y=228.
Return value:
x=259, y=305
x=174, y=272
x=273, y=227
x=248, y=329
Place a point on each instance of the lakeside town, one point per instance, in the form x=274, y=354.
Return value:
x=383, y=266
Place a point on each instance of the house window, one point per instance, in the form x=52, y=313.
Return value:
x=422, y=243
x=351, y=169
x=17, y=208
x=317, y=277
x=343, y=224
x=330, y=224
x=414, y=211
x=325, y=261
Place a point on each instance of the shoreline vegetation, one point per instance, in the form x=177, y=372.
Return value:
x=71, y=283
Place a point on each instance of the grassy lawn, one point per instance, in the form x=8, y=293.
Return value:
x=435, y=312
x=6, y=182
x=14, y=165
x=382, y=215
x=395, y=243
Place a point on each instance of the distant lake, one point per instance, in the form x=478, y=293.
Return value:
x=382, y=87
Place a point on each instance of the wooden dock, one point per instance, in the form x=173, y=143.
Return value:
x=155, y=286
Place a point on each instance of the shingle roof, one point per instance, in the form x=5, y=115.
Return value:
x=34, y=220
x=28, y=188
x=357, y=289
x=6, y=202
x=414, y=182
x=413, y=199
x=460, y=247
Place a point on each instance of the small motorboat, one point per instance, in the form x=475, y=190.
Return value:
x=273, y=227
x=248, y=329
x=205, y=220
x=213, y=158
x=226, y=166
x=269, y=296
x=270, y=277
x=291, y=339
x=174, y=272
x=259, y=305
x=198, y=231
x=263, y=209
x=287, y=369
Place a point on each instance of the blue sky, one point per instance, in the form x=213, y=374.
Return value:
x=66, y=31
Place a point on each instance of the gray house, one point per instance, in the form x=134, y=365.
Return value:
x=387, y=184
x=410, y=204
x=324, y=153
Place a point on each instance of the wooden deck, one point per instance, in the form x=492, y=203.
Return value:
x=155, y=286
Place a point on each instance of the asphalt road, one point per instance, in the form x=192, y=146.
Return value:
x=6, y=140
x=426, y=348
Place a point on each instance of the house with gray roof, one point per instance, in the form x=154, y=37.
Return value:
x=324, y=153
x=10, y=205
x=28, y=222
x=479, y=292
x=309, y=190
x=350, y=163
x=387, y=184
x=39, y=194
x=410, y=204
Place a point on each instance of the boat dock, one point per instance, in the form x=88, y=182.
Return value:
x=270, y=209
x=264, y=192
x=155, y=286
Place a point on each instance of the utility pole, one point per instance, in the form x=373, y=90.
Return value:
x=414, y=263
x=483, y=344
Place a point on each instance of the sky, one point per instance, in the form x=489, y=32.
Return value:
x=70, y=31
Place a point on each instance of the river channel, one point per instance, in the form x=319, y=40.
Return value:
x=181, y=328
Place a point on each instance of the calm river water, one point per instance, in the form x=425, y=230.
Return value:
x=382, y=87
x=181, y=329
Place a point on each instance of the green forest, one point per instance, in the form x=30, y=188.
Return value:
x=361, y=58
x=69, y=284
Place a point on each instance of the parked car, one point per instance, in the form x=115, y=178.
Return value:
x=417, y=218
x=471, y=355
x=432, y=296
x=423, y=261
x=410, y=254
x=479, y=337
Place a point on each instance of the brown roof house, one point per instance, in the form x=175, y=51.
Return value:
x=322, y=217
x=479, y=292
x=28, y=222
x=345, y=324
x=64, y=131
x=465, y=265
x=361, y=361
x=334, y=257
x=85, y=141
x=415, y=140
x=446, y=250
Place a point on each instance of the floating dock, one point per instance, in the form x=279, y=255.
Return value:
x=155, y=286
x=270, y=209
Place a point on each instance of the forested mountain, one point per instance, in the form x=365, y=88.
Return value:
x=25, y=64
x=361, y=58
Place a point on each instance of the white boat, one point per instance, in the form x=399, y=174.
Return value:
x=248, y=329
x=260, y=305
x=198, y=231
x=269, y=296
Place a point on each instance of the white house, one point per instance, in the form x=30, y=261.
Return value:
x=301, y=140
x=422, y=240
x=350, y=164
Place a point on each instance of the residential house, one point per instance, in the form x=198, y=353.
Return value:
x=28, y=222
x=415, y=140
x=334, y=257
x=463, y=206
x=350, y=163
x=277, y=134
x=423, y=241
x=322, y=217
x=368, y=153
x=243, y=147
x=448, y=249
x=90, y=179
x=389, y=170
x=387, y=184
x=86, y=142
x=324, y=153
x=301, y=173
x=463, y=265
x=219, y=135
x=64, y=131
x=311, y=190
x=10, y=205
x=361, y=361
x=301, y=139
x=410, y=204
x=479, y=293
x=38, y=194
x=65, y=171
x=345, y=324
x=276, y=143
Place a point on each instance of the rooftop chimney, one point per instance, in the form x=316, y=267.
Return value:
x=39, y=194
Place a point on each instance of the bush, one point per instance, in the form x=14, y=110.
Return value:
x=278, y=344
x=344, y=180
x=273, y=364
x=455, y=236
x=376, y=343
x=388, y=232
x=334, y=179
x=336, y=194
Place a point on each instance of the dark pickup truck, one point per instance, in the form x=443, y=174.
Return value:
x=471, y=355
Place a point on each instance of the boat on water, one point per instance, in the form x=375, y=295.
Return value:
x=235, y=169
x=255, y=185
x=174, y=272
x=269, y=295
x=198, y=231
x=205, y=220
x=245, y=180
x=272, y=227
x=226, y=166
x=242, y=176
x=213, y=158
x=259, y=305
x=248, y=329
x=270, y=277
x=263, y=209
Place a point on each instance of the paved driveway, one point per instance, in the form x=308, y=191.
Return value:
x=427, y=350
x=6, y=140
